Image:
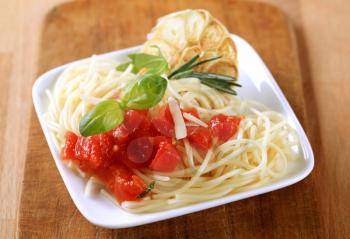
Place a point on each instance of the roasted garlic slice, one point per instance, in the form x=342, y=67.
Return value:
x=184, y=34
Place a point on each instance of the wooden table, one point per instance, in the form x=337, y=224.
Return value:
x=323, y=34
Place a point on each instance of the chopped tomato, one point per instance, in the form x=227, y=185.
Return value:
x=199, y=137
x=136, y=187
x=191, y=111
x=135, y=143
x=123, y=183
x=144, y=112
x=68, y=151
x=163, y=126
x=94, y=152
x=139, y=152
x=145, y=129
x=224, y=127
x=167, y=114
x=166, y=159
x=133, y=119
x=158, y=139
x=163, y=123
x=119, y=153
x=120, y=134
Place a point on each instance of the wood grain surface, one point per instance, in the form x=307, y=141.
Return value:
x=84, y=28
x=323, y=35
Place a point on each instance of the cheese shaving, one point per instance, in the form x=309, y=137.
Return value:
x=194, y=119
x=180, y=127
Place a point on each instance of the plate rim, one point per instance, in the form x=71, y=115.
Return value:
x=36, y=96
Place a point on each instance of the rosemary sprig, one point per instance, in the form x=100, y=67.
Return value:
x=205, y=61
x=225, y=87
x=206, y=75
x=184, y=67
x=217, y=81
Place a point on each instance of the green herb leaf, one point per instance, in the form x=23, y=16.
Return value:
x=147, y=190
x=204, y=75
x=184, y=67
x=221, y=86
x=144, y=92
x=153, y=64
x=205, y=61
x=123, y=67
x=217, y=81
x=105, y=116
x=189, y=66
x=182, y=74
x=211, y=76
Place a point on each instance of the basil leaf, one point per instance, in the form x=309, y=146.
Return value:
x=122, y=67
x=154, y=64
x=144, y=92
x=105, y=116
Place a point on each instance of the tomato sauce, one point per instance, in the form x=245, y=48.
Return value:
x=141, y=142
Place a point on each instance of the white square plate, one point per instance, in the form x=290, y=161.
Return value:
x=258, y=84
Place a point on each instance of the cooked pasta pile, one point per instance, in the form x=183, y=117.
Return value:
x=257, y=154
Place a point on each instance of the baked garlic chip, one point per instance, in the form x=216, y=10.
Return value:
x=182, y=35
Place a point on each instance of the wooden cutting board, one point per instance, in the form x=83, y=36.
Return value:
x=80, y=29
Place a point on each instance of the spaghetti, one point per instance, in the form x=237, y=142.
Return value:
x=258, y=153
